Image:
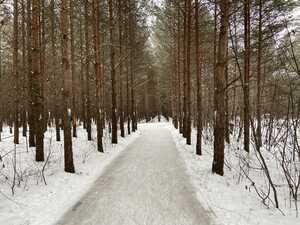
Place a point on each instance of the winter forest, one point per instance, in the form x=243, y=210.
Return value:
x=159, y=112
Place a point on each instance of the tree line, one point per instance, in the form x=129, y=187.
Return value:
x=67, y=63
x=230, y=65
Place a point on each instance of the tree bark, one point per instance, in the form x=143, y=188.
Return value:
x=72, y=37
x=199, y=80
x=121, y=113
x=246, y=75
x=219, y=128
x=55, y=77
x=114, y=122
x=98, y=72
x=37, y=83
x=25, y=72
x=15, y=71
x=259, y=57
x=87, y=72
x=67, y=85
x=30, y=76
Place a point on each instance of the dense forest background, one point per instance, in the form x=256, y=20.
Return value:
x=224, y=71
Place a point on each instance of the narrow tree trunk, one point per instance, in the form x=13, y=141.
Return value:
x=132, y=23
x=67, y=86
x=30, y=77
x=128, y=99
x=87, y=72
x=121, y=114
x=199, y=80
x=25, y=72
x=258, y=97
x=43, y=44
x=82, y=80
x=188, y=73
x=37, y=83
x=185, y=70
x=97, y=52
x=128, y=50
x=54, y=73
x=227, y=134
x=219, y=129
x=179, y=70
x=114, y=123
x=246, y=75
x=15, y=71
x=72, y=37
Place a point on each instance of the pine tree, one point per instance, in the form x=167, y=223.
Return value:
x=67, y=85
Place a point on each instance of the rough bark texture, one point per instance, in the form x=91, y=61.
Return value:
x=98, y=74
x=72, y=38
x=67, y=86
x=259, y=57
x=132, y=38
x=121, y=113
x=246, y=75
x=30, y=76
x=87, y=72
x=199, y=81
x=184, y=133
x=188, y=76
x=219, y=128
x=114, y=122
x=37, y=81
x=55, y=75
x=15, y=71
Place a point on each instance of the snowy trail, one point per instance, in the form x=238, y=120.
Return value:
x=145, y=185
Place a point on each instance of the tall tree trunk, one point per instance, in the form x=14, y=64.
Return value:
x=184, y=49
x=114, y=122
x=174, y=74
x=219, y=128
x=37, y=83
x=15, y=71
x=55, y=77
x=121, y=113
x=179, y=70
x=215, y=50
x=259, y=57
x=132, y=24
x=24, y=77
x=199, y=80
x=30, y=76
x=87, y=71
x=247, y=75
x=227, y=132
x=188, y=74
x=67, y=85
x=128, y=100
x=82, y=80
x=97, y=52
x=73, y=72
x=44, y=84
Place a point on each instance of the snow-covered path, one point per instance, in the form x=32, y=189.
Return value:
x=145, y=185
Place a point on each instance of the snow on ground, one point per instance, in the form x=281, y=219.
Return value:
x=232, y=198
x=37, y=203
x=146, y=185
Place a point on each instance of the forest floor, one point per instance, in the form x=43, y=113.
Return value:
x=232, y=198
x=149, y=183
x=42, y=202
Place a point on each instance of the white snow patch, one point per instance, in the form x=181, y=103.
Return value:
x=35, y=203
x=231, y=198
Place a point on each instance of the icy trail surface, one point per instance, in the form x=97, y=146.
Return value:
x=145, y=185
